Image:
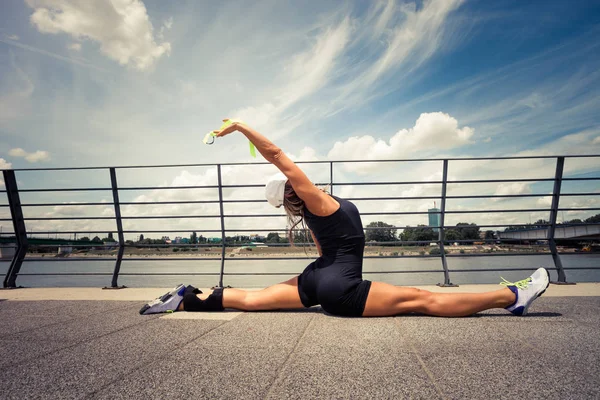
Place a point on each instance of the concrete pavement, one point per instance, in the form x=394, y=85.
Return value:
x=103, y=349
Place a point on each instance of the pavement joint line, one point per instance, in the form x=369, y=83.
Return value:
x=38, y=356
x=508, y=333
x=422, y=363
x=63, y=321
x=156, y=359
x=287, y=358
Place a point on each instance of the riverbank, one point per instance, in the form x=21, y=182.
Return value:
x=265, y=252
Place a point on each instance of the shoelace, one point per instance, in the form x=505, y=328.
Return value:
x=522, y=284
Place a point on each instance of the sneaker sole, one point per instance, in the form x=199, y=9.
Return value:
x=544, y=291
x=165, y=297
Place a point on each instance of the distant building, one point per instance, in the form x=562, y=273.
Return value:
x=434, y=217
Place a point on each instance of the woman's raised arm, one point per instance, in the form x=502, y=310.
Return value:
x=318, y=202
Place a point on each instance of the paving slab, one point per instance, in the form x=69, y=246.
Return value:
x=240, y=359
x=352, y=358
x=80, y=370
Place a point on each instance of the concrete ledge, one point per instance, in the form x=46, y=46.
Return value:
x=145, y=294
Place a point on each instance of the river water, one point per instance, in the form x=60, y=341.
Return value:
x=374, y=269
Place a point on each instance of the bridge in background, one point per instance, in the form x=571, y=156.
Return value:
x=583, y=232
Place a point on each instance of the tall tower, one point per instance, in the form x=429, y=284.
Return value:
x=434, y=217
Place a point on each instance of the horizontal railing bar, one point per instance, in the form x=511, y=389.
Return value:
x=71, y=259
x=593, y=178
x=65, y=190
x=132, y=203
x=491, y=196
x=169, y=187
x=66, y=204
x=286, y=273
x=65, y=218
x=313, y=162
x=579, y=194
x=264, y=201
x=580, y=209
x=146, y=217
x=116, y=244
x=332, y=184
x=497, y=254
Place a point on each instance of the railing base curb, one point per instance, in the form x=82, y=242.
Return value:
x=446, y=285
x=13, y=287
x=114, y=287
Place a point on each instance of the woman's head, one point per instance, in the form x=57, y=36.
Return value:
x=279, y=192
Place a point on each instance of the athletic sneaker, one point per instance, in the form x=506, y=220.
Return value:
x=527, y=290
x=168, y=302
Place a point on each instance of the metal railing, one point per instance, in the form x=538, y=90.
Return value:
x=22, y=236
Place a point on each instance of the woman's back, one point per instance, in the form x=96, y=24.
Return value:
x=340, y=234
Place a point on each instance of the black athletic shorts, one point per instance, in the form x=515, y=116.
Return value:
x=338, y=287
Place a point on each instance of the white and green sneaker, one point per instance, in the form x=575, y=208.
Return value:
x=168, y=302
x=527, y=290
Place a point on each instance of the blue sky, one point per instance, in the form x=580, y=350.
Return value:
x=132, y=82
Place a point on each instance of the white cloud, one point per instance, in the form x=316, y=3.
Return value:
x=432, y=132
x=307, y=72
x=121, y=27
x=16, y=89
x=596, y=140
x=5, y=164
x=74, y=46
x=39, y=155
x=167, y=25
x=13, y=37
x=513, y=188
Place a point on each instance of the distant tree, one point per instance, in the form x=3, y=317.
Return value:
x=273, y=237
x=489, y=234
x=467, y=231
x=141, y=237
x=593, y=220
x=194, y=238
x=84, y=239
x=110, y=236
x=573, y=221
x=420, y=233
x=96, y=239
x=385, y=233
x=452, y=234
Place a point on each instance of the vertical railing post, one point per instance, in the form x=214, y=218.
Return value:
x=562, y=278
x=442, y=224
x=14, y=202
x=222, y=214
x=115, y=193
x=331, y=177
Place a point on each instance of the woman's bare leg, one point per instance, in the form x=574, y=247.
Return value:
x=387, y=300
x=282, y=295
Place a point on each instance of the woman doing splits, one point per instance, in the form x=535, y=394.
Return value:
x=334, y=280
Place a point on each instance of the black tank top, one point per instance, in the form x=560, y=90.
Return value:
x=340, y=234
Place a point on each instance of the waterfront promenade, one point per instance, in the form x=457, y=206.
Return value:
x=92, y=343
